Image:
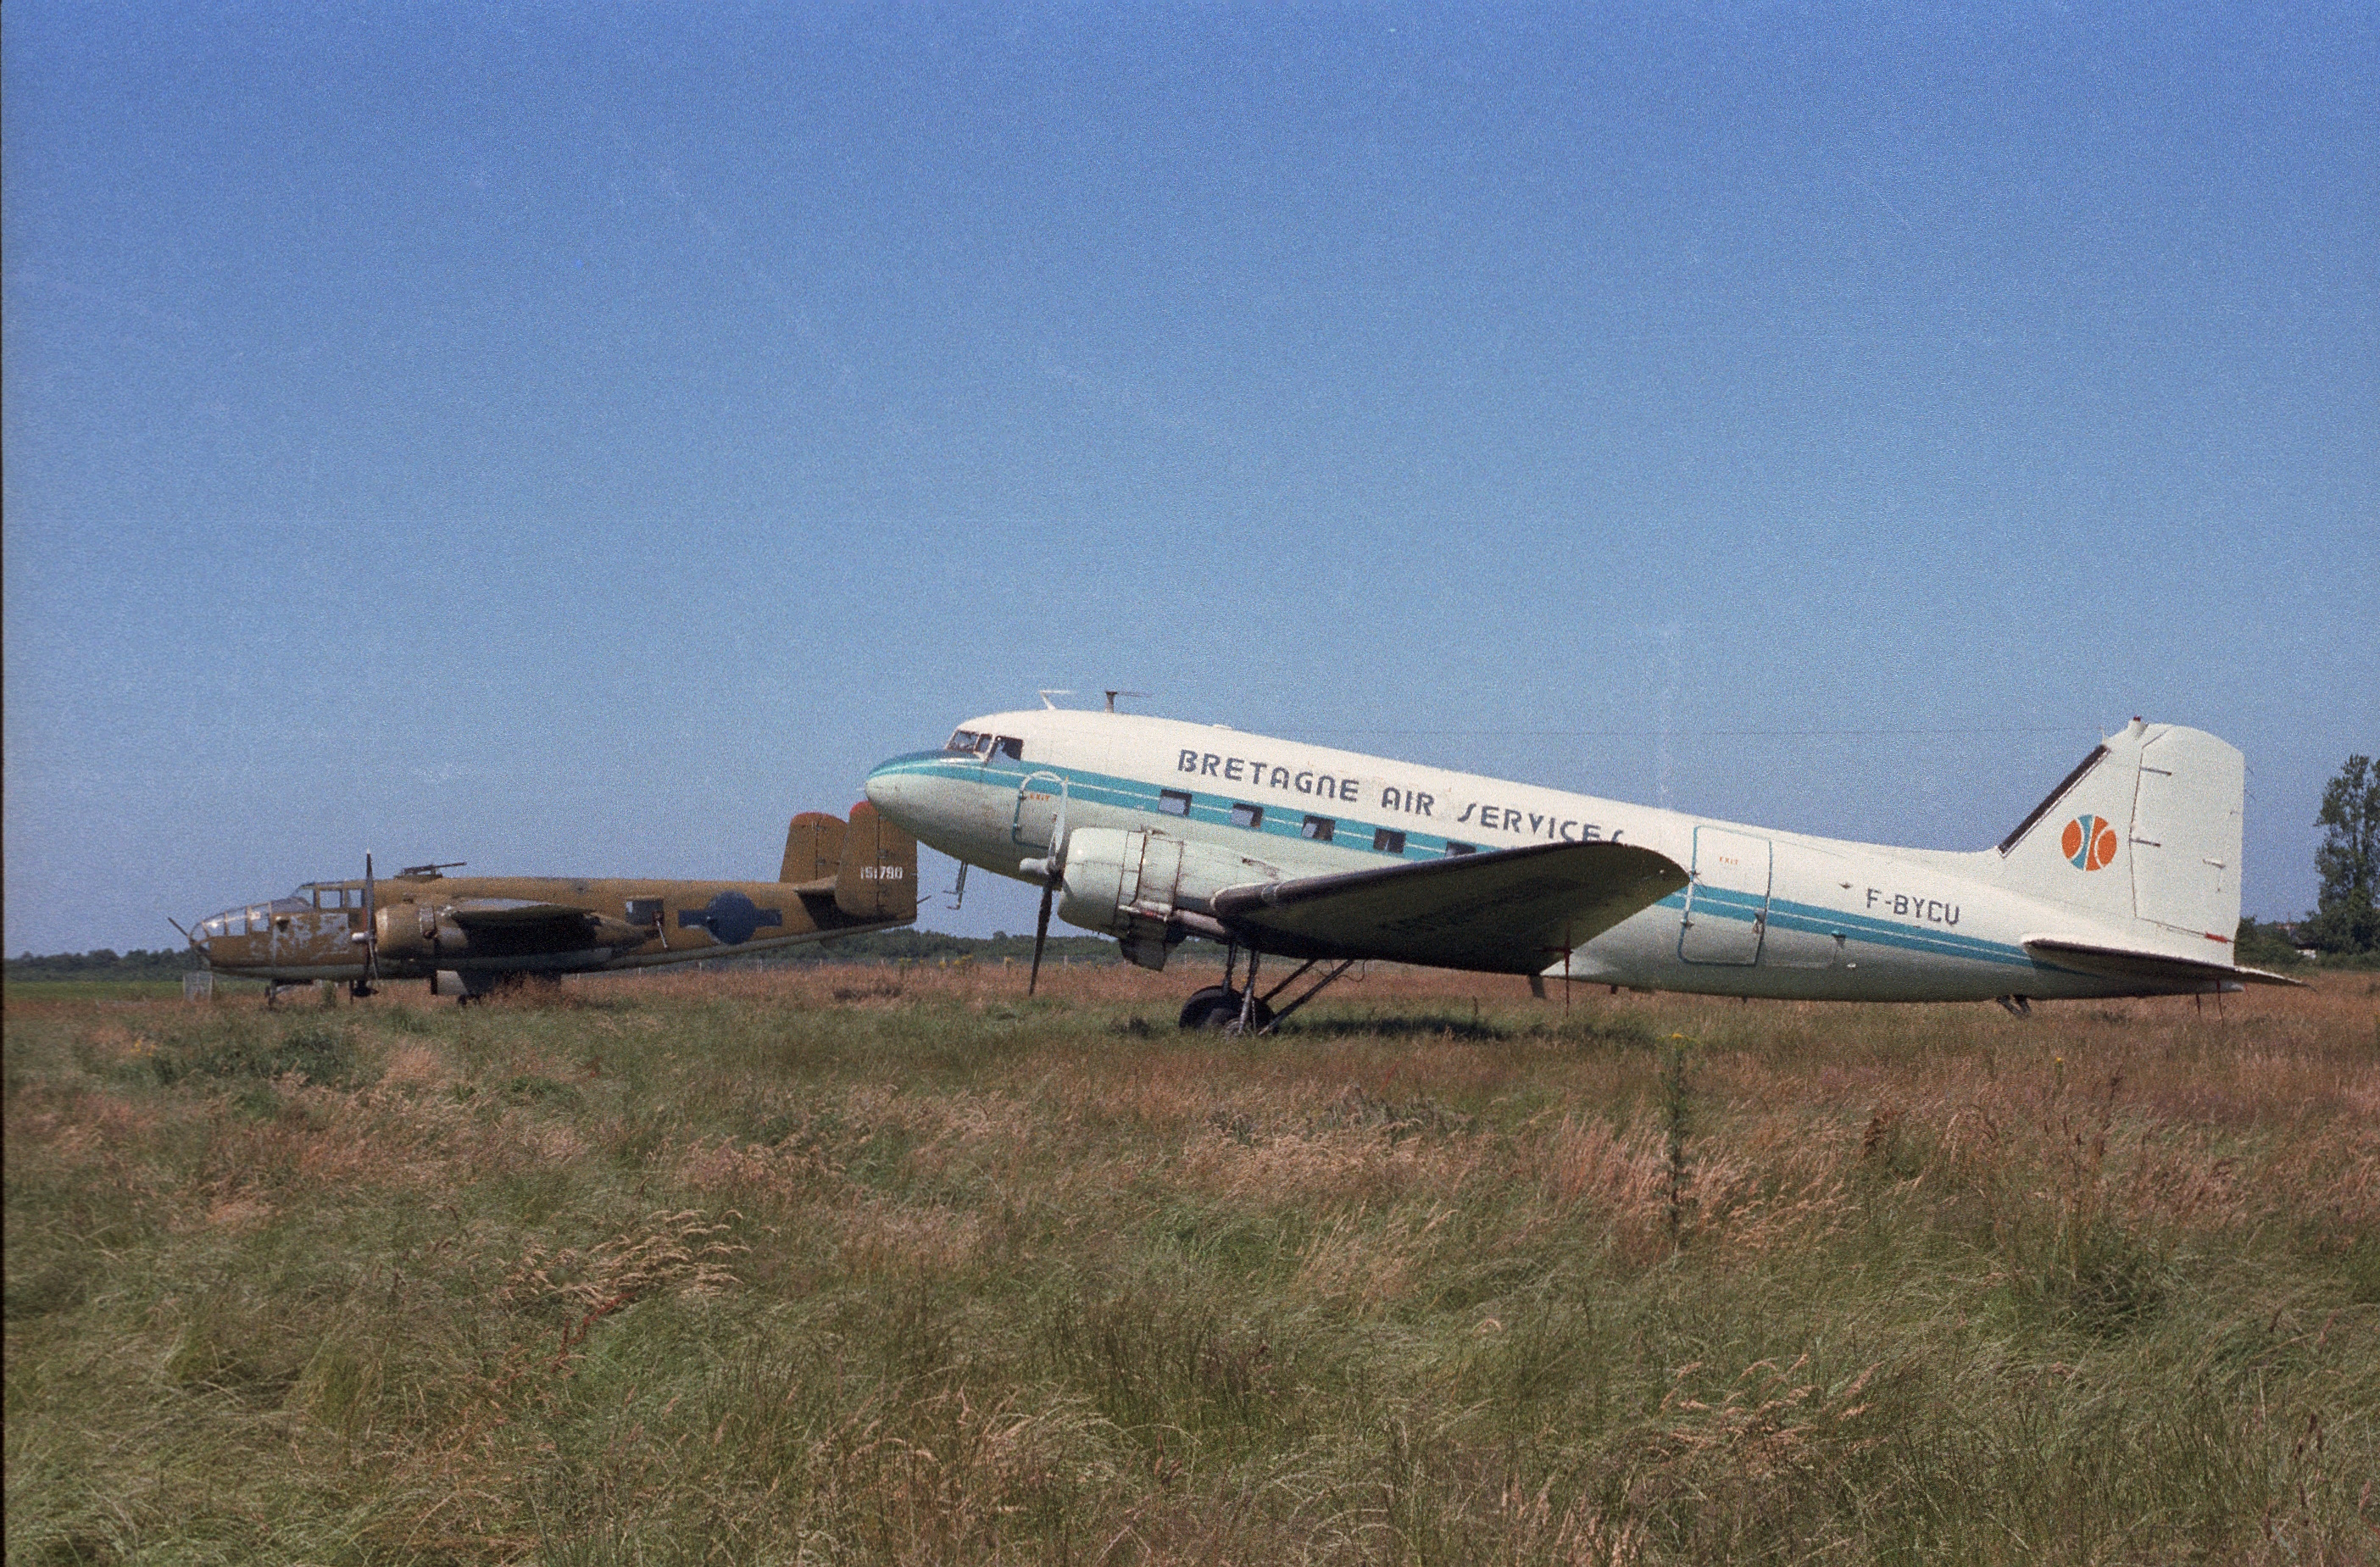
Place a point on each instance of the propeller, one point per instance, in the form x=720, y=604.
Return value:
x=1051, y=868
x=1040, y=936
x=369, y=937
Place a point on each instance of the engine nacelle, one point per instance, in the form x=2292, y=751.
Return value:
x=1135, y=885
x=411, y=932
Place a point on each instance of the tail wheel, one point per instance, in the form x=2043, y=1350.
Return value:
x=1218, y=1005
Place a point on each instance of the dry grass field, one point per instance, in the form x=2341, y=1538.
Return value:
x=853, y=1265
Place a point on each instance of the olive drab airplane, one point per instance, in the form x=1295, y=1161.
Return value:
x=468, y=934
x=2124, y=881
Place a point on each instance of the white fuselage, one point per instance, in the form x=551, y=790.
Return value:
x=1768, y=914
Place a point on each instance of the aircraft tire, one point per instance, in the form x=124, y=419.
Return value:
x=1214, y=1008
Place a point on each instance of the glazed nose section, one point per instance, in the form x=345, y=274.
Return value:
x=211, y=934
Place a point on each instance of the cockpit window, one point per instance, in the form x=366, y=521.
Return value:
x=961, y=740
x=1008, y=745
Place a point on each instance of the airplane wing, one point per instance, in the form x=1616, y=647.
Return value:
x=2148, y=968
x=521, y=926
x=1509, y=911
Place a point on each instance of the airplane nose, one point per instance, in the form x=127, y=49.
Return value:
x=884, y=790
x=896, y=789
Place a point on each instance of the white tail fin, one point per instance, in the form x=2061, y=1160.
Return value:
x=2143, y=837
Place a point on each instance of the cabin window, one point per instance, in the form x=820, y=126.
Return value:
x=1453, y=848
x=961, y=740
x=1245, y=815
x=644, y=911
x=1008, y=745
x=1319, y=827
x=1388, y=841
x=1174, y=802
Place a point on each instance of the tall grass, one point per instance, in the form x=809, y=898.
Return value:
x=868, y=1265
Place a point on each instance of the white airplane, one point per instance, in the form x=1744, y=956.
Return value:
x=2124, y=881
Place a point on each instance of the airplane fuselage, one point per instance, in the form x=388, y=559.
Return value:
x=311, y=935
x=1766, y=913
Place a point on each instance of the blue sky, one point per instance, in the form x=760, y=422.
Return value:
x=570, y=440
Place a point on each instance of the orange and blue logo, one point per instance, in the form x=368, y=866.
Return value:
x=2089, y=843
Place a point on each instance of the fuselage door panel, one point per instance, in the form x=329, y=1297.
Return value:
x=1040, y=801
x=1727, y=904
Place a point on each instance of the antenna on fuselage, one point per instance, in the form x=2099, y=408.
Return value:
x=1113, y=694
x=1045, y=697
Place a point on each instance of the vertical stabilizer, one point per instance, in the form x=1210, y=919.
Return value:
x=813, y=847
x=2143, y=839
x=877, y=876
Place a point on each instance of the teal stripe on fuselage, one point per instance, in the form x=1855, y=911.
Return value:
x=1131, y=794
x=1818, y=919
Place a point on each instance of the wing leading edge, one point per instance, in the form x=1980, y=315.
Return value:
x=1509, y=911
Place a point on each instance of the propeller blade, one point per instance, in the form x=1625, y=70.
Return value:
x=186, y=935
x=1040, y=936
x=364, y=986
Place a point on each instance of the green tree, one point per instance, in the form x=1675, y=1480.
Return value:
x=2347, y=917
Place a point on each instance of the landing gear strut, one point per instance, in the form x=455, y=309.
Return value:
x=1243, y=1011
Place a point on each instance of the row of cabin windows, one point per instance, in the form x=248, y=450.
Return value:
x=1321, y=828
x=983, y=748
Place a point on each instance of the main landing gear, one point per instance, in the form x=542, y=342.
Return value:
x=1243, y=1011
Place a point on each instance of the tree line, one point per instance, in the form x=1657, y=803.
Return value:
x=2345, y=918
x=875, y=946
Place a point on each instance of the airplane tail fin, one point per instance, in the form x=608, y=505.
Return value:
x=2143, y=837
x=813, y=847
x=877, y=875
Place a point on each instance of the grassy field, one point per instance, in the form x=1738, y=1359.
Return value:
x=862, y=1265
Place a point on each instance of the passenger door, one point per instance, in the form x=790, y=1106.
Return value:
x=1727, y=904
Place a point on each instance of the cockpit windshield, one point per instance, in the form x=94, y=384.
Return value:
x=962, y=740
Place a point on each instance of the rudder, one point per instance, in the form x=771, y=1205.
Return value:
x=2186, y=835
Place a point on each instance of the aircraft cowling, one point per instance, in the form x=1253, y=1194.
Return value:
x=1131, y=885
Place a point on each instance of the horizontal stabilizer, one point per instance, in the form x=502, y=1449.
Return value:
x=1510, y=911
x=2157, y=971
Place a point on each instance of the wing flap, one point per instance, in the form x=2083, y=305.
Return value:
x=2160, y=969
x=1509, y=911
